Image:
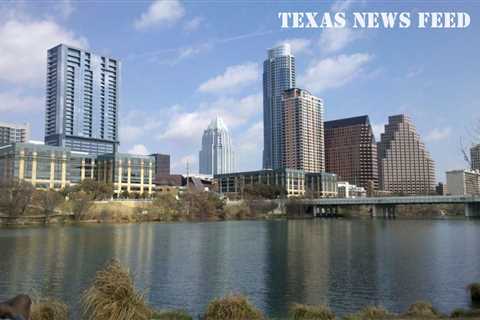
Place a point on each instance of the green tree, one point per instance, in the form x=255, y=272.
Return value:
x=98, y=190
x=15, y=197
x=263, y=191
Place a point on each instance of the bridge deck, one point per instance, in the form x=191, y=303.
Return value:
x=393, y=200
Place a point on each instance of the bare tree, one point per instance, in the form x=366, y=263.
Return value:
x=48, y=201
x=15, y=197
x=472, y=139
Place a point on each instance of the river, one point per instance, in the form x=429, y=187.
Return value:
x=346, y=264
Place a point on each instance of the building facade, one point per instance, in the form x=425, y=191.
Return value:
x=11, y=132
x=296, y=183
x=127, y=173
x=351, y=151
x=404, y=164
x=303, y=131
x=82, y=100
x=162, y=164
x=217, y=155
x=347, y=190
x=45, y=167
x=278, y=75
x=463, y=182
x=475, y=157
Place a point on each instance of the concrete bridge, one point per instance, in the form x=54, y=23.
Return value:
x=385, y=206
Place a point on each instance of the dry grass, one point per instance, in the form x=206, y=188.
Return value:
x=303, y=312
x=49, y=309
x=171, y=315
x=422, y=310
x=370, y=313
x=232, y=307
x=113, y=296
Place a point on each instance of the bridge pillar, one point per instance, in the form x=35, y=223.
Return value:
x=472, y=209
x=384, y=211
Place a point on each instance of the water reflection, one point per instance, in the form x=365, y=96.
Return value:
x=343, y=263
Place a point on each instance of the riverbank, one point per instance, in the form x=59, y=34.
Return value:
x=113, y=295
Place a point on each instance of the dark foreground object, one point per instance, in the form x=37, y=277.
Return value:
x=17, y=308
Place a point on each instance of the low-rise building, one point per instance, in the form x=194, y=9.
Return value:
x=45, y=167
x=126, y=172
x=51, y=167
x=463, y=182
x=296, y=183
x=347, y=190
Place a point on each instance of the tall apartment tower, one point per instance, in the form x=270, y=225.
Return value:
x=278, y=75
x=404, y=164
x=351, y=151
x=475, y=157
x=303, y=131
x=11, y=132
x=216, y=156
x=82, y=100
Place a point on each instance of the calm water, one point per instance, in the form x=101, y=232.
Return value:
x=344, y=263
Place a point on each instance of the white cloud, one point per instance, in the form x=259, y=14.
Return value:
x=23, y=47
x=160, y=12
x=341, y=5
x=234, y=77
x=193, y=24
x=180, y=165
x=438, y=134
x=65, y=8
x=334, y=72
x=298, y=45
x=188, y=126
x=414, y=71
x=16, y=102
x=335, y=39
x=139, y=149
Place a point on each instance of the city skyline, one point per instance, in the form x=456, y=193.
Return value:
x=374, y=79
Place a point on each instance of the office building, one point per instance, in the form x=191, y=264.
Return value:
x=405, y=166
x=82, y=100
x=127, y=173
x=475, y=157
x=441, y=189
x=278, y=75
x=303, y=131
x=351, y=151
x=162, y=164
x=11, y=132
x=347, y=190
x=45, y=167
x=216, y=155
x=294, y=182
x=463, y=183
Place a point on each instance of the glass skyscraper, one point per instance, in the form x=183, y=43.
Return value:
x=278, y=76
x=82, y=100
x=216, y=156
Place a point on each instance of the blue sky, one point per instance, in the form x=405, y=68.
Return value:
x=186, y=62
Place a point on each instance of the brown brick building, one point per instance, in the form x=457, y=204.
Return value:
x=351, y=151
x=404, y=164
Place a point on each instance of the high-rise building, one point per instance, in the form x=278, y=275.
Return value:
x=475, y=157
x=11, y=132
x=82, y=100
x=162, y=164
x=404, y=164
x=351, y=151
x=303, y=131
x=216, y=156
x=463, y=182
x=278, y=75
